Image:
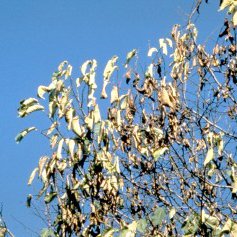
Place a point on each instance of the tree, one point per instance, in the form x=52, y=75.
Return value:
x=161, y=160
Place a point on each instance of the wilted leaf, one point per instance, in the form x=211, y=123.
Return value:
x=209, y=156
x=76, y=128
x=42, y=90
x=159, y=152
x=22, y=134
x=151, y=51
x=53, y=140
x=109, y=69
x=59, y=150
x=41, y=164
x=163, y=45
x=225, y=3
x=28, y=200
x=96, y=114
x=52, y=127
x=130, y=55
x=50, y=197
x=32, y=176
x=114, y=95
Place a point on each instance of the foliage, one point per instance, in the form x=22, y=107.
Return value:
x=162, y=161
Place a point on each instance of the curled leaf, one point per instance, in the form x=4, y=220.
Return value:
x=151, y=51
x=32, y=176
x=23, y=133
x=130, y=55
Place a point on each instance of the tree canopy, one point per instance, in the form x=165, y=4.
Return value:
x=149, y=153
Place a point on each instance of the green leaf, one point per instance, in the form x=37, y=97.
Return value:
x=23, y=133
x=50, y=197
x=191, y=225
x=47, y=233
x=158, y=216
x=141, y=225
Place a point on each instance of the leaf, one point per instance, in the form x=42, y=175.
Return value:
x=42, y=90
x=163, y=46
x=96, y=114
x=209, y=156
x=114, y=95
x=234, y=18
x=108, y=233
x=109, y=69
x=172, y=213
x=130, y=55
x=151, y=51
x=129, y=231
x=52, y=127
x=47, y=233
x=32, y=176
x=225, y=3
x=84, y=67
x=71, y=146
x=53, y=140
x=159, y=152
x=23, y=133
x=68, y=72
x=41, y=164
x=141, y=225
x=28, y=106
x=158, y=216
x=50, y=197
x=76, y=128
x=210, y=221
x=28, y=200
x=59, y=150
x=28, y=102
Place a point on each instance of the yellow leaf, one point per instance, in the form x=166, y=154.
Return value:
x=159, y=152
x=109, y=69
x=96, y=114
x=234, y=18
x=32, y=176
x=59, y=150
x=225, y=3
x=76, y=128
x=151, y=51
x=209, y=156
x=52, y=127
x=41, y=164
x=114, y=95
x=23, y=133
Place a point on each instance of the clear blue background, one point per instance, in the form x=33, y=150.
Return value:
x=35, y=36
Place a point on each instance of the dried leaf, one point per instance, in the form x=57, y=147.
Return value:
x=32, y=176
x=151, y=51
x=159, y=152
x=209, y=156
x=130, y=55
x=114, y=95
x=76, y=128
x=41, y=164
x=23, y=133
x=109, y=69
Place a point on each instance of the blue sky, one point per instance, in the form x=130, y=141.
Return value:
x=35, y=36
